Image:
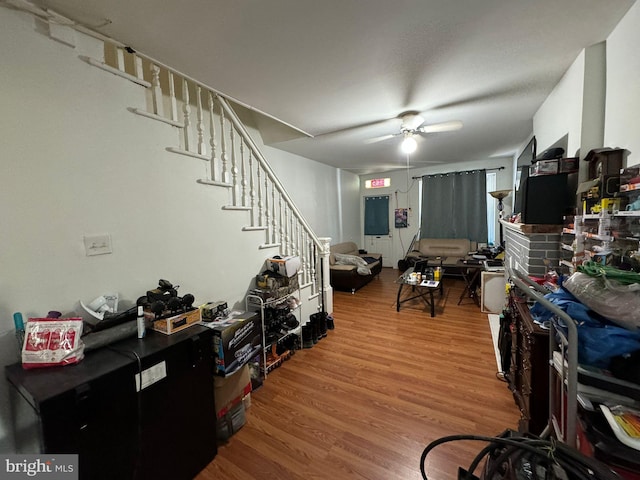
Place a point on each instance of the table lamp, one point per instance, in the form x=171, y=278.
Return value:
x=500, y=195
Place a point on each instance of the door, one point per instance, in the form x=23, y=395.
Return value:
x=377, y=233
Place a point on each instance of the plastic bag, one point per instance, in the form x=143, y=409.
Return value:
x=607, y=297
x=51, y=342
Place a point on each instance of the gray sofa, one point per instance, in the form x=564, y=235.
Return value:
x=447, y=250
x=344, y=262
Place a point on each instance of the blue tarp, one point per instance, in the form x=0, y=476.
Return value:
x=598, y=339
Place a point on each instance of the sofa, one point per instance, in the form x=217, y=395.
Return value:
x=448, y=251
x=350, y=269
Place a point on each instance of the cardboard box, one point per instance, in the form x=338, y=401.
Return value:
x=286, y=266
x=236, y=340
x=231, y=390
x=177, y=322
x=231, y=422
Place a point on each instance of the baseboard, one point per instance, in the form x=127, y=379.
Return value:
x=494, y=324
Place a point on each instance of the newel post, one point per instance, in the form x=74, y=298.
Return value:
x=327, y=290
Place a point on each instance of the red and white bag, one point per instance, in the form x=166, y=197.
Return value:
x=51, y=342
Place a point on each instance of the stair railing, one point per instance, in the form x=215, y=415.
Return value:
x=211, y=131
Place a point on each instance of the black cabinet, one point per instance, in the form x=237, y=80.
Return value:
x=165, y=429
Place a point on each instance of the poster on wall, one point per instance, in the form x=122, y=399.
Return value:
x=401, y=218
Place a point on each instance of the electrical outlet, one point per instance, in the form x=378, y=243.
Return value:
x=97, y=244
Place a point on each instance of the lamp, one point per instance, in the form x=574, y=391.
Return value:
x=500, y=195
x=409, y=144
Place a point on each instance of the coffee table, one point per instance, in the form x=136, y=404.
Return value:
x=423, y=289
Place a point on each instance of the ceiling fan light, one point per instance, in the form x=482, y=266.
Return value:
x=408, y=145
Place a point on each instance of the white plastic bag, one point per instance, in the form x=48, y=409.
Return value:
x=615, y=302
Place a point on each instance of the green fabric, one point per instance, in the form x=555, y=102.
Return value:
x=594, y=269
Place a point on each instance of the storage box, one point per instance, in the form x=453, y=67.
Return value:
x=286, y=266
x=568, y=165
x=176, y=323
x=231, y=422
x=610, y=205
x=231, y=390
x=273, y=285
x=544, y=167
x=236, y=340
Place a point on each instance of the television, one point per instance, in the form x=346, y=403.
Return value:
x=547, y=198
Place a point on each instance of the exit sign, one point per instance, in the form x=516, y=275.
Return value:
x=378, y=183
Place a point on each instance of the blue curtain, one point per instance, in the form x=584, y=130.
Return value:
x=454, y=205
x=376, y=215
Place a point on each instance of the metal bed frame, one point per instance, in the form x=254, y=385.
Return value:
x=563, y=401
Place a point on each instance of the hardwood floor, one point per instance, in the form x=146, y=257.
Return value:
x=365, y=401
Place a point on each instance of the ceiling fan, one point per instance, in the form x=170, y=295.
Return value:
x=412, y=126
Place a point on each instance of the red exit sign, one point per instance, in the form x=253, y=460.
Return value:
x=378, y=183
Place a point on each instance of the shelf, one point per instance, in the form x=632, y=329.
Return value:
x=629, y=187
x=570, y=231
x=296, y=331
x=566, y=247
x=629, y=213
x=602, y=238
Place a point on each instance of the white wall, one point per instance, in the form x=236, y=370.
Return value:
x=404, y=193
x=622, y=123
x=561, y=113
x=75, y=161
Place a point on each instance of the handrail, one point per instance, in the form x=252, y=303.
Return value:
x=231, y=114
x=525, y=284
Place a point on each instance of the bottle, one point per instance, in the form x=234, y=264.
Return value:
x=140, y=321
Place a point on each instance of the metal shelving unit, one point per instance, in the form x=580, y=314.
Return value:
x=563, y=378
x=261, y=304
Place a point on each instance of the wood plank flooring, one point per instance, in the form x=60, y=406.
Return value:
x=365, y=401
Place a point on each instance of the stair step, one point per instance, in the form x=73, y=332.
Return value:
x=153, y=116
x=204, y=181
x=253, y=229
x=234, y=207
x=269, y=245
x=187, y=153
x=115, y=71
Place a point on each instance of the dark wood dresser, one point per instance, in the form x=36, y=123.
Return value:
x=528, y=376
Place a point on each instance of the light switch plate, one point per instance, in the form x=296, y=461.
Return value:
x=97, y=244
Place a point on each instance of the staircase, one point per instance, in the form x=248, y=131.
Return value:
x=211, y=131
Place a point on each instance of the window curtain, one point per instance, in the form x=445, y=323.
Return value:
x=454, y=205
x=376, y=215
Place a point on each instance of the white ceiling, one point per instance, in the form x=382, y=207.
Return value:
x=343, y=70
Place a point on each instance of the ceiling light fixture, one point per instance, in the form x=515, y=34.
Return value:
x=409, y=144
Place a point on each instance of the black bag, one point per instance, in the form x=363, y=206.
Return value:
x=505, y=339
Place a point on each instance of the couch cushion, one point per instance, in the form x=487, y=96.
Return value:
x=444, y=247
x=346, y=248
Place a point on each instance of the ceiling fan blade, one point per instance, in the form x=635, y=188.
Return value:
x=379, y=139
x=441, y=127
